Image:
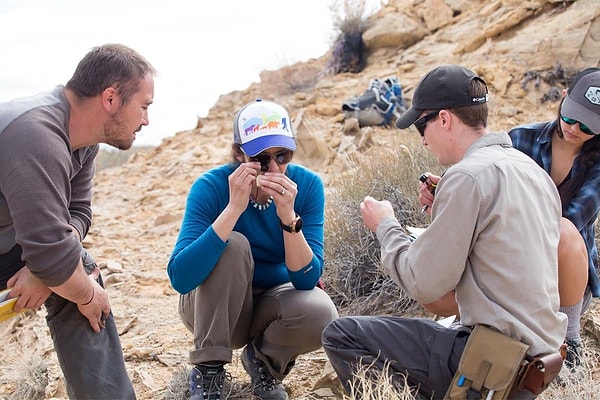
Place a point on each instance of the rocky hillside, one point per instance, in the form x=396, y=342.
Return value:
x=524, y=50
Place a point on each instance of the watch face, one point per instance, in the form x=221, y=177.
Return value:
x=298, y=225
x=294, y=227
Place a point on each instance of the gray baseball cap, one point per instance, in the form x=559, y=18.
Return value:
x=582, y=102
x=444, y=87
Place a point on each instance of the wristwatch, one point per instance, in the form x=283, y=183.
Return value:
x=294, y=227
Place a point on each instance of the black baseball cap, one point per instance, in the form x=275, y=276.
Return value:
x=444, y=87
x=582, y=102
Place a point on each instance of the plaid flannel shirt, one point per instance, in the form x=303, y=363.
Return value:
x=535, y=141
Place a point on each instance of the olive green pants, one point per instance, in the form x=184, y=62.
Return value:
x=225, y=312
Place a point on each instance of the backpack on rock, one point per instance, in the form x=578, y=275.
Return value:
x=378, y=105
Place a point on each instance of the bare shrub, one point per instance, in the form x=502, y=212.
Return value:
x=556, y=79
x=354, y=277
x=32, y=372
x=350, y=15
x=350, y=21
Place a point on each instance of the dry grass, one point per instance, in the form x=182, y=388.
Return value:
x=30, y=376
x=353, y=274
x=374, y=384
x=350, y=15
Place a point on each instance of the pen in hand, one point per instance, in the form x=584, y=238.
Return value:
x=430, y=185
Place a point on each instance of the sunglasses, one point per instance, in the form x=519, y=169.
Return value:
x=584, y=128
x=282, y=157
x=421, y=123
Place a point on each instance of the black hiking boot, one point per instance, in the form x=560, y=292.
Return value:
x=574, y=354
x=264, y=385
x=206, y=382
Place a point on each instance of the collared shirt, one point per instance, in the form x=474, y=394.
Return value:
x=535, y=140
x=493, y=238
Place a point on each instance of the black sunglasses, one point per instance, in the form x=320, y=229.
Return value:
x=570, y=121
x=421, y=123
x=282, y=157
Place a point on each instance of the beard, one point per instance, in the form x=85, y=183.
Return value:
x=114, y=132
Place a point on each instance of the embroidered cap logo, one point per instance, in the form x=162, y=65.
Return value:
x=593, y=95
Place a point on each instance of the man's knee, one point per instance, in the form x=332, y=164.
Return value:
x=327, y=333
x=333, y=334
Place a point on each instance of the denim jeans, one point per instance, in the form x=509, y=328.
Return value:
x=92, y=363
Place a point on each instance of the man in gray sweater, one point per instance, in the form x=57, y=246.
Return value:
x=491, y=247
x=48, y=144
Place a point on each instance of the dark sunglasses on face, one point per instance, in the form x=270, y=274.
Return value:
x=282, y=157
x=421, y=123
x=584, y=128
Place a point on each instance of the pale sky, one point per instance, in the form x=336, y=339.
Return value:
x=201, y=49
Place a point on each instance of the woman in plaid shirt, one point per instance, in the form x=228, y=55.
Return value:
x=568, y=149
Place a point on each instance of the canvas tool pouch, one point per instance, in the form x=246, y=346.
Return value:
x=491, y=361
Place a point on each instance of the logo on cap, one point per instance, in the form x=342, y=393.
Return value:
x=256, y=127
x=593, y=95
x=261, y=125
x=481, y=100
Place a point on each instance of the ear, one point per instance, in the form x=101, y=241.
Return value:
x=445, y=118
x=110, y=99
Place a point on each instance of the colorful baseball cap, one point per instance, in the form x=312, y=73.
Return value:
x=444, y=87
x=582, y=102
x=261, y=125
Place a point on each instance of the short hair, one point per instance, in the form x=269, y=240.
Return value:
x=474, y=116
x=109, y=65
